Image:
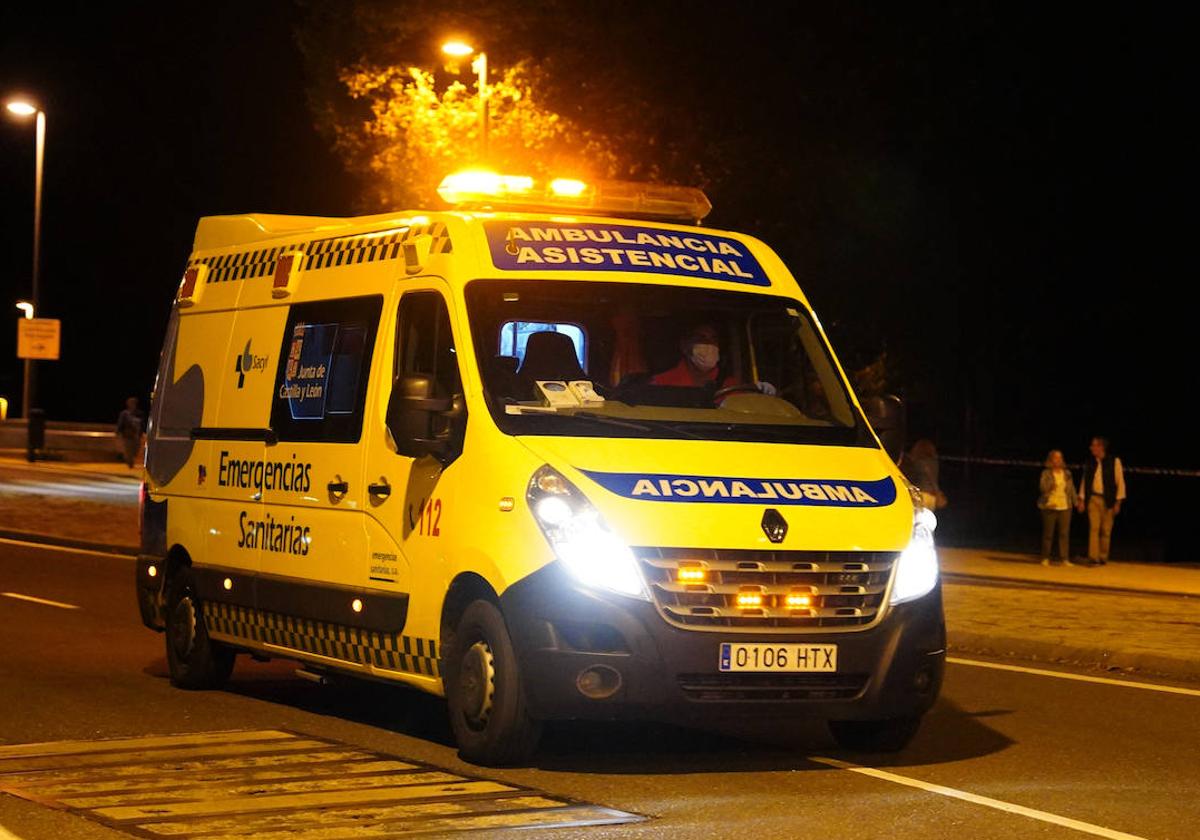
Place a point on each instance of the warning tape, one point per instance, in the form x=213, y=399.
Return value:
x=1016, y=462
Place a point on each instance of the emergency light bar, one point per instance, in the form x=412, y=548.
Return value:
x=482, y=190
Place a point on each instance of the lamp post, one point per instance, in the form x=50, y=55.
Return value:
x=479, y=65
x=23, y=108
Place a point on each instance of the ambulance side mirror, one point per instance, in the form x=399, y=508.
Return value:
x=889, y=419
x=417, y=419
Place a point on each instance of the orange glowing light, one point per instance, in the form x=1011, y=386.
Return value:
x=474, y=184
x=797, y=601
x=567, y=187
x=749, y=600
x=691, y=574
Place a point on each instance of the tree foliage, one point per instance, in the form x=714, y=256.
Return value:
x=568, y=94
x=417, y=132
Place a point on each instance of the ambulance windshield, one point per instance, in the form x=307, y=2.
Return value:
x=659, y=361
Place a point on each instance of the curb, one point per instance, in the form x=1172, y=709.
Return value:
x=67, y=542
x=1006, y=647
x=967, y=579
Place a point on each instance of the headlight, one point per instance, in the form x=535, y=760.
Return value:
x=917, y=568
x=578, y=535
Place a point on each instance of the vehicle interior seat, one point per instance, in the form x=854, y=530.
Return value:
x=549, y=355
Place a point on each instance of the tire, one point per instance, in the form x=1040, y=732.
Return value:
x=485, y=691
x=193, y=660
x=876, y=736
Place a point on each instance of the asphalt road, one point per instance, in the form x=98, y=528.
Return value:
x=1005, y=754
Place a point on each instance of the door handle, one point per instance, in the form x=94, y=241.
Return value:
x=338, y=489
x=380, y=491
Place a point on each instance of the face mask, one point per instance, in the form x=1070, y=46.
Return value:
x=705, y=356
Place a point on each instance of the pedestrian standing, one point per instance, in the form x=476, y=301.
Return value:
x=1055, y=501
x=129, y=430
x=920, y=466
x=1101, y=493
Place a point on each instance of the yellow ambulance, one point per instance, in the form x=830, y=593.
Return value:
x=557, y=453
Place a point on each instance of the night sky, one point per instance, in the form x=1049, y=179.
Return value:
x=997, y=197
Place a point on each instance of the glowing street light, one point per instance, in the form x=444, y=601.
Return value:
x=26, y=307
x=24, y=109
x=457, y=49
x=461, y=49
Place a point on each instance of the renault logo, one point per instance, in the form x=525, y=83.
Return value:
x=774, y=525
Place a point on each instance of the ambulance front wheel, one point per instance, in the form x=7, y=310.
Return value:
x=485, y=691
x=879, y=736
x=193, y=660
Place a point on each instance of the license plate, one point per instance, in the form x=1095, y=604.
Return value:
x=778, y=658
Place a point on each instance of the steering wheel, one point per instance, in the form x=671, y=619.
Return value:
x=743, y=388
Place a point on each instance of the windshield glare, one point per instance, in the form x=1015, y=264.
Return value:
x=661, y=361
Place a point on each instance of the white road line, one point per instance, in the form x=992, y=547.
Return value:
x=34, y=600
x=1063, y=675
x=52, y=547
x=987, y=802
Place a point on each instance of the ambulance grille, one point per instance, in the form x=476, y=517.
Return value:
x=839, y=590
x=723, y=688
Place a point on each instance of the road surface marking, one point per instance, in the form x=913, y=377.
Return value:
x=115, y=744
x=988, y=802
x=143, y=775
x=1063, y=675
x=53, y=547
x=272, y=785
x=107, y=758
x=34, y=600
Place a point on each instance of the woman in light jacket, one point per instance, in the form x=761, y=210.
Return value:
x=1056, y=501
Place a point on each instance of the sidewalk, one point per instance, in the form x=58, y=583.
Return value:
x=1118, y=617
x=76, y=504
x=113, y=466
x=1007, y=567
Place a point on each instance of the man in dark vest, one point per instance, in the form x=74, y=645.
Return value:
x=1100, y=493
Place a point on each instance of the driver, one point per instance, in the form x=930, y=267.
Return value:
x=700, y=357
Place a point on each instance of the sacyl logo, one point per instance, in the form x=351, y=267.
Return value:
x=247, y=362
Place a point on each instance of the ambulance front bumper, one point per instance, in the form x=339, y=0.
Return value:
x=587, y=654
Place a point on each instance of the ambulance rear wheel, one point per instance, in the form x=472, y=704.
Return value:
x=485, y=691
x=193, y=660
x=878, y=736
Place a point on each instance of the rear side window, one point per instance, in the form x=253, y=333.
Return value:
x=324, y=364
x=514, y=335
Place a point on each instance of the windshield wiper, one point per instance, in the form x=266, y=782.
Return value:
x=629, y=424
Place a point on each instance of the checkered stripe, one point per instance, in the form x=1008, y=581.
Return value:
x=337, y=641
x=324, y=253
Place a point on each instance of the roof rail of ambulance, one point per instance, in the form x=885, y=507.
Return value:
x=479, y=189
x=215, y=232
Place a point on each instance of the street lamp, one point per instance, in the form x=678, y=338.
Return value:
x=23, y=108
x=460, y=49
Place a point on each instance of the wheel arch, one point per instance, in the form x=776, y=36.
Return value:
x=176, y=559
x=464, y=588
